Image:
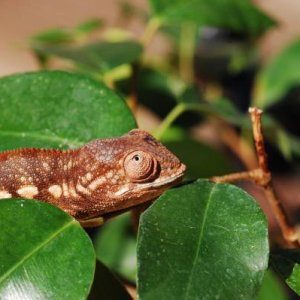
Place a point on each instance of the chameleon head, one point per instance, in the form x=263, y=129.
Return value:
x=136, y=168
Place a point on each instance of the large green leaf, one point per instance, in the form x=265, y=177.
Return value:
x=98, y=56
x=202, y=241
x=287, y=264
x=238, y=15
x=44, y=253
x=279, y=76
x=58, y=109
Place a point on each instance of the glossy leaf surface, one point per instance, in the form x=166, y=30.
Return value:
x=44, y=253
x=202, y=240
x=58, y=109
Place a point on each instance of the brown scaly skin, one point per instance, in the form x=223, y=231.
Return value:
x=100, y=178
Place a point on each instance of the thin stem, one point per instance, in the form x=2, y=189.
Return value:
x=169, y=119
x=247, y=175
x=288, y=232
x=150, y=30
x=262, y=177
x=186, y=51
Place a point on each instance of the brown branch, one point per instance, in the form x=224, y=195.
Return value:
x=262, y=177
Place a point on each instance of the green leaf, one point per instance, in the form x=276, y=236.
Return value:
x=277, y=78
x=271, y=288
x=202, y=241
x=221, y=108
x=44, y=253
x=97, y=56
x=287, y=264
x=53, y=36
x=240, y=16
x=107, y=286
x=115, y=246
x=88, y=26
x=58, y=109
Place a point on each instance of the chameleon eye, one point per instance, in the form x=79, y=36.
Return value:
x=140, y=166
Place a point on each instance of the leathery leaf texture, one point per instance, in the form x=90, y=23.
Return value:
x=44, y=253
x=51, y=109
x=202, y=241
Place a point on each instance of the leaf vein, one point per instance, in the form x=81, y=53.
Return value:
x=34, y=250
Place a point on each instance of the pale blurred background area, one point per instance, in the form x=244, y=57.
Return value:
x=20, y=19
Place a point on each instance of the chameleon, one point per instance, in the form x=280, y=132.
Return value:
x=102, y=177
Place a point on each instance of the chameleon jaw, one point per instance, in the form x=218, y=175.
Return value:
x=153, y=185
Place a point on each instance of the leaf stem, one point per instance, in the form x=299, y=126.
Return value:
x=186, y=51
x=169, y=119
x=151, y=28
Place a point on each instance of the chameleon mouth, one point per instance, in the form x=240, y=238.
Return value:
x=173, y=180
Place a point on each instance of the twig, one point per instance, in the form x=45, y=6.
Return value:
x=132, y=99
x=150, y=30
x=262, y=177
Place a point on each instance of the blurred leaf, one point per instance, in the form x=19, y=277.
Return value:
x=221, y=108
x=202, y=241
x=287, y=264
x=106, y=285
x=58, y=109
x=224, y=109
x=277, y=78
x=53, y=36
x=240, y=16
x=271, y=288
x=43, y=253
x=201, y=160
x=97, y=56
x=56, y=36
x=284, y=144
x=115, y=246
x=88, y=26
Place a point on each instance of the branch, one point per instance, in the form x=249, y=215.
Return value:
x=262, y=177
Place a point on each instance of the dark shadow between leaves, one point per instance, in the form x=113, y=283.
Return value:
x=107, y=286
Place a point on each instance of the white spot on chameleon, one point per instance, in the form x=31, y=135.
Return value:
x=98, y=181
x=109, y=174
x=65, y=189
x=122, y=191
x=55, y=190
x=28, y=191
x=46, y=166
x=88, y=176
x=72, y=190
x=5, y=194
x=70, y=164
x=82, y=189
